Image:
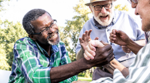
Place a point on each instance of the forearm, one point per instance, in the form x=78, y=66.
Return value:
x=120, y=67
x=141, y=42
x=80, y=54
x=63, y=72
x=134, y=47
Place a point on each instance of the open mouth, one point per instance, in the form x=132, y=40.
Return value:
x=104, y=16
x=52, y=35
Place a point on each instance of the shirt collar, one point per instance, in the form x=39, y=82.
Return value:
x=54, y=49
x=102, y=27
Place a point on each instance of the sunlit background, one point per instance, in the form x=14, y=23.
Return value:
x=61, y=10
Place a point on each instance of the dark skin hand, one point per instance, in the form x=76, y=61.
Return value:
x=113, y=64
x=102, y=57
x=84, y=42
x=120, y=38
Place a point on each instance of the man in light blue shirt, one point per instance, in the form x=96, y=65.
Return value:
x=105, y=19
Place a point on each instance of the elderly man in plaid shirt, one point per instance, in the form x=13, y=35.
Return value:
x=42, y=57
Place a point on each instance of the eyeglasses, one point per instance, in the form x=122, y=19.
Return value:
x=46, y=28
x=106, y=6
x=134, y=1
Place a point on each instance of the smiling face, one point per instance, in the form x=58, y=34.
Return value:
x=104, y=16
x=47, y=37
x=143, y=9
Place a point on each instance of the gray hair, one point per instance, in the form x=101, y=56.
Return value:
x=31, y=16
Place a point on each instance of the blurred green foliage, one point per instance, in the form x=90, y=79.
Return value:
x=10, y=33
x=70, y=33
x=124, y=8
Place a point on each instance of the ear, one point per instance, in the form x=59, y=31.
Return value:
x=32, y=37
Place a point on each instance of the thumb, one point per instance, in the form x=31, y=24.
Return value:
x=104, y=43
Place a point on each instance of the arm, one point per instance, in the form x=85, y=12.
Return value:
x=35, y=72
x=62, y=72
x=120, y=67
x=134, y=47
x=120, y=38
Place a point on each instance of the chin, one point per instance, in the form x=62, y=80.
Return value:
x=54, y=42
x=146, y=27
x=105, y=22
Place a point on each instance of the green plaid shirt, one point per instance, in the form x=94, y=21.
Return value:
x=32, y=64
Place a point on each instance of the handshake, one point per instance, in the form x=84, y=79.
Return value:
x=97, y=53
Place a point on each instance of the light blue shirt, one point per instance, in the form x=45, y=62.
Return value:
x=131, y=25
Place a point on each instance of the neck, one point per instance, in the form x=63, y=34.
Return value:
x=47, y=47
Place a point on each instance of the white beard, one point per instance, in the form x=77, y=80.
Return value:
x=105, y=23
x=56, y=42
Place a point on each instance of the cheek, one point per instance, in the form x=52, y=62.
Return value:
x=96, y=13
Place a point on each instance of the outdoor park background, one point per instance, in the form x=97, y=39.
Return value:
x=71, y=15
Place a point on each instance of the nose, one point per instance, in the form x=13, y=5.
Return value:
x=136, y=11
x=51, y=30
x=103, y=10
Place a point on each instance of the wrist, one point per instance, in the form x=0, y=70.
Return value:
x=87, y=63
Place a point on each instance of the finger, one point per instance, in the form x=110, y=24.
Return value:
x=104, y=43
x=112, y=36
x=96, y=43
x=90, y=50
x=114, y=31
x=96, y=38
x=83, y=36
x=89, y=32
x=80, y=39
x=110, y=56
x=90, y=46
x=86, y=33
x=106, y=48
x=88, y=56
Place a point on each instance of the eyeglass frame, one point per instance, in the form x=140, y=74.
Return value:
x=46, y=28
x=101, y=6
x=134, y=1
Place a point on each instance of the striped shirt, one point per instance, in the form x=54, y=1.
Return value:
x=139, y=70
x=32, y=64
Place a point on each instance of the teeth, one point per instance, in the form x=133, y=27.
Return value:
x=103, y=16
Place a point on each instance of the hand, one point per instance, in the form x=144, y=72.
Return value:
x=85, y=39
x=119, y=37
x=102, y=54
x=90, y=49
x=80, y=81
x=126, y=49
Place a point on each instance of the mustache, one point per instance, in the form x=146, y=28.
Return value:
x=102, y=14
x=52, y=34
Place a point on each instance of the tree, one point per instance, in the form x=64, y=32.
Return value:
x=73, y=28
x=10, y=33
x=124, y=8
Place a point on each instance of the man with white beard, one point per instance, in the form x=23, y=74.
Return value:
x=104, y=20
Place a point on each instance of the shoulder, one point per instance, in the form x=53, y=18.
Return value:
x=89, y=22
x=128, y=16
x=24, y=41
